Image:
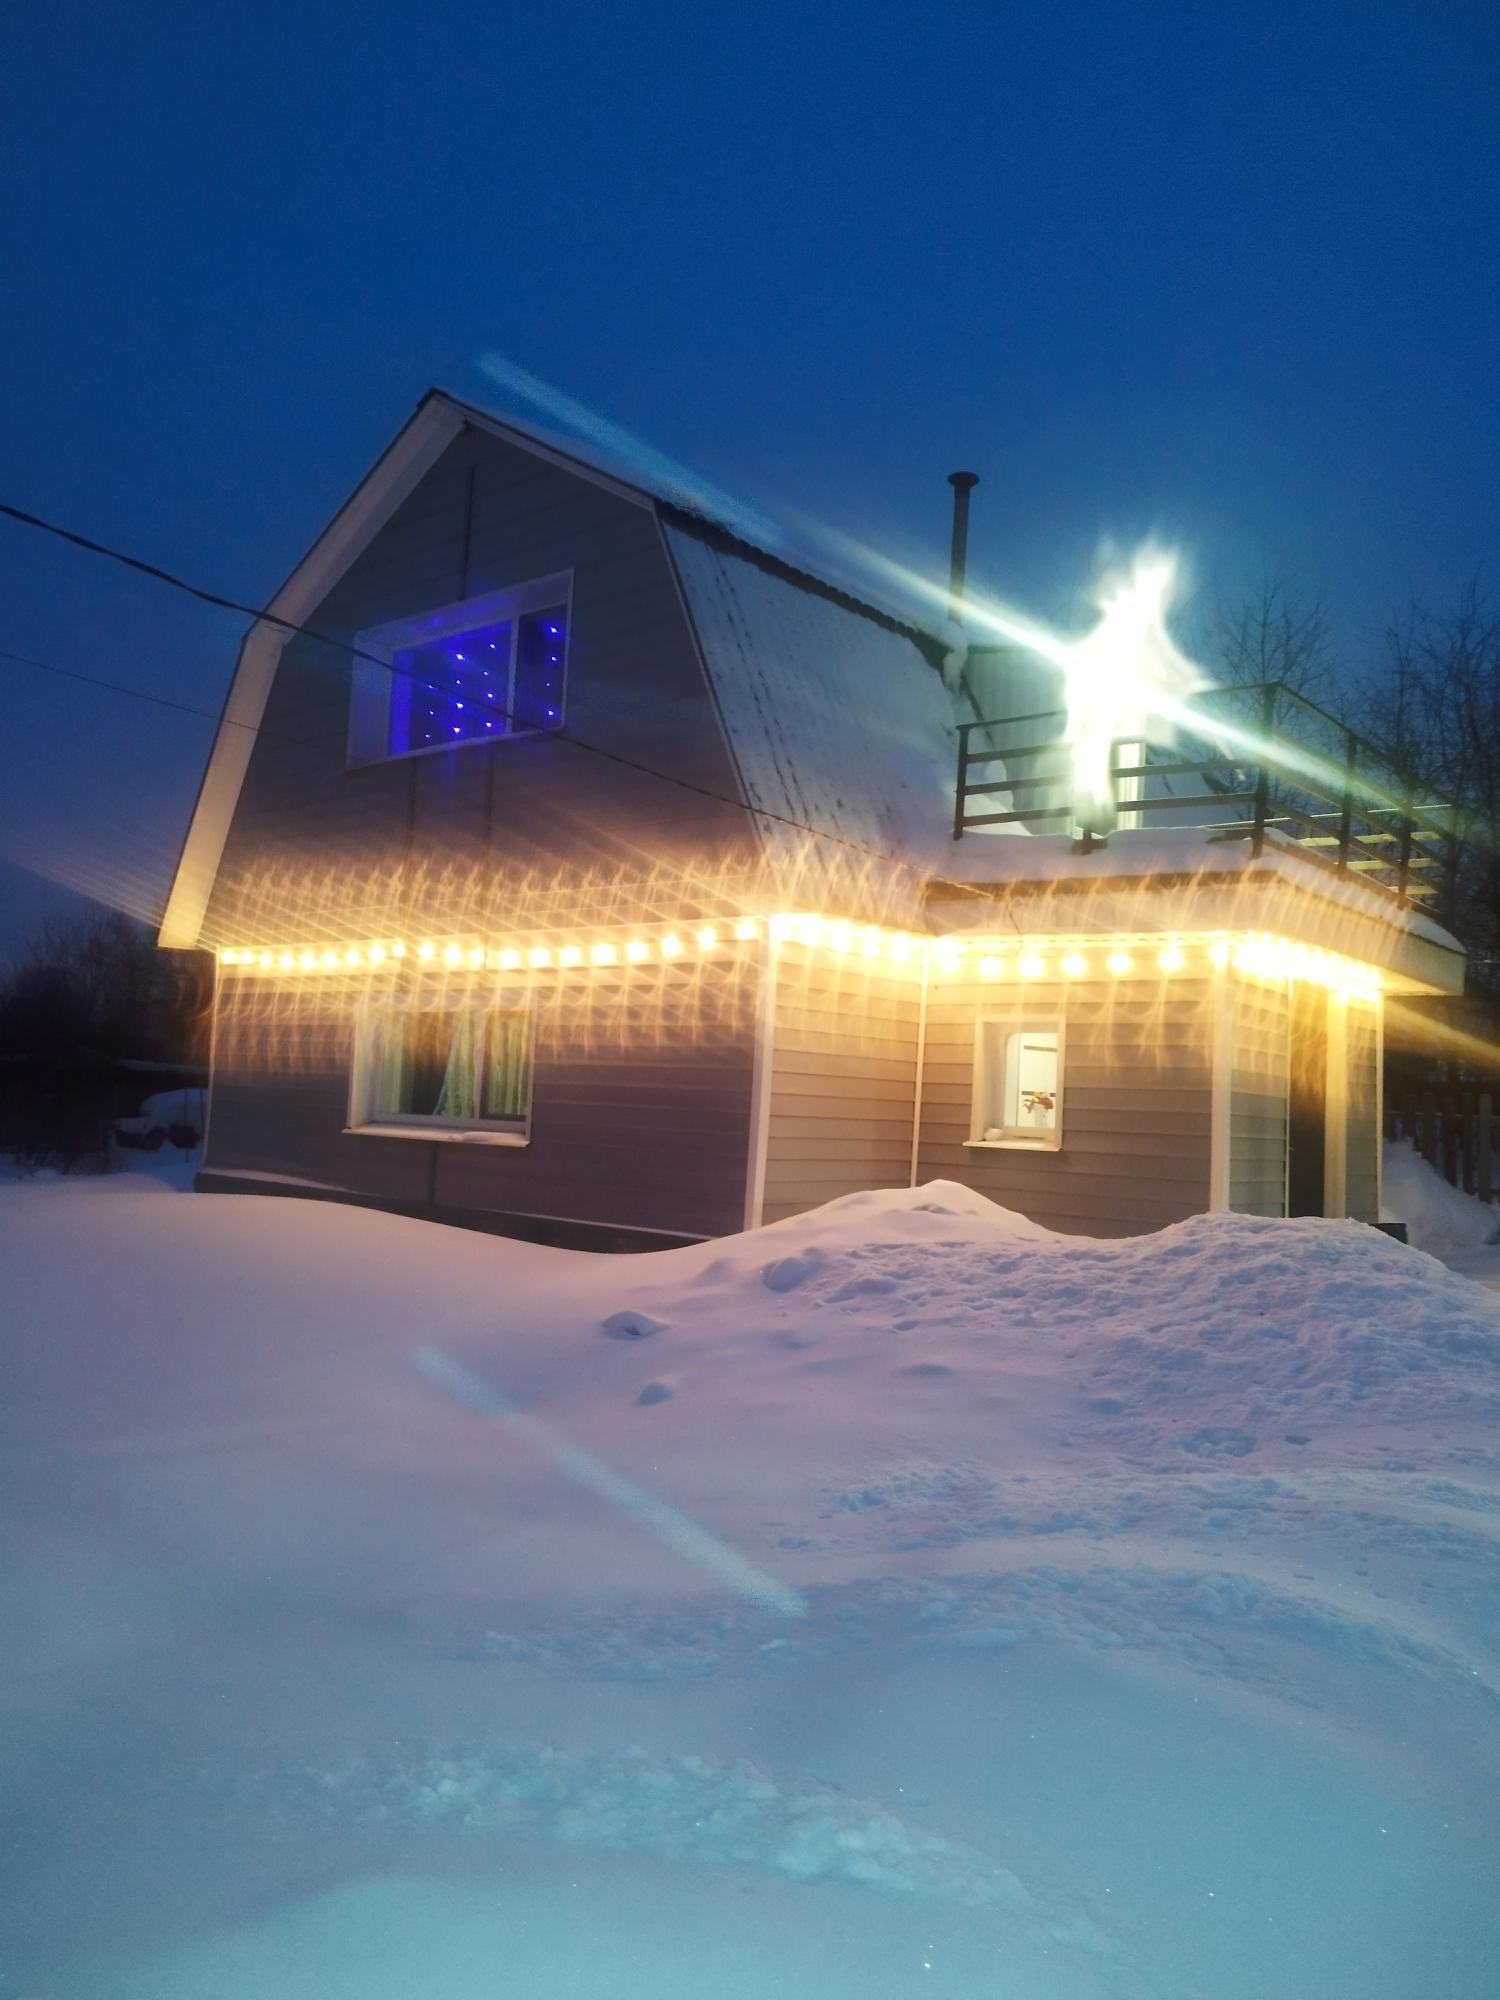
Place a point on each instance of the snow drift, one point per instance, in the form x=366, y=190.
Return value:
x=1439, y=1218
x=1136, y=1627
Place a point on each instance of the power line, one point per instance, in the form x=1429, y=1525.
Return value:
x=115, y=687
x=158, y=575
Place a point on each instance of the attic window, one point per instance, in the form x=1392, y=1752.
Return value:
x=473, y=672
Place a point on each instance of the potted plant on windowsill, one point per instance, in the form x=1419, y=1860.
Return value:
x=1040, y=1104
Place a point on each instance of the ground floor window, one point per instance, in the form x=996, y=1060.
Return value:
x=1018, y=1083
x=449, y=1065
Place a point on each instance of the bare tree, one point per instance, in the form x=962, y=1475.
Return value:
x=1437, y=703
x=1272, y=651
x=119, y=991
x=90, y=1004
x=1272, y=633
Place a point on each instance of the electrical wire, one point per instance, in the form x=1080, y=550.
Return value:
x=156, y=574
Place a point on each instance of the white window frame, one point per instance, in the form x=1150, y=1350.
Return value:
x=365, y=1121
x=1015, y=1138
x=370, y=698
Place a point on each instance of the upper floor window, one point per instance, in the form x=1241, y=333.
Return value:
x=487, y=668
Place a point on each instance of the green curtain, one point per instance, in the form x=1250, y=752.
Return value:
x=459, y=1096
x=486, y=1073
x=507, y=1077
x=391, y=1065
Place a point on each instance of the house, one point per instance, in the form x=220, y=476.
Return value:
x=578, y=868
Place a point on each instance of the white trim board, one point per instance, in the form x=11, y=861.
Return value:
x=1221, y=1090
x=1336, y=1107
x=760, y=1081
x=921, y=1073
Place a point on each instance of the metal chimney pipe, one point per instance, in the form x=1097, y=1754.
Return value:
x=963, y=484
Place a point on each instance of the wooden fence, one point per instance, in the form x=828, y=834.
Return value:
x=1455, y=1131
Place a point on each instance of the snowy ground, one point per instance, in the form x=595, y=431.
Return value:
x=899, y=1601
x=1440, y=1219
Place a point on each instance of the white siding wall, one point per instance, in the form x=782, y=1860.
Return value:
x=1136, y=1106
x=1362, y=1164
x=843, y=1075
x=1259, y=1055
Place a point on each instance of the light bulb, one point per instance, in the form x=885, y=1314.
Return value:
x=991, y=967
x=636, y=950
x=538, y=955
x=1030, y=966
x=707, y=938
x=1075, y=965
x=1118, y=961
x=570, y=955
x=1171, y=960
x=671, y=945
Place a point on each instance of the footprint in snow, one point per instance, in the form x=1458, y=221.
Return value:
x=1219, y=1441
x=631, y=1326
x=789, y=1272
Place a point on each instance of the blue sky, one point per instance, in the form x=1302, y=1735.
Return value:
x=1226, y=276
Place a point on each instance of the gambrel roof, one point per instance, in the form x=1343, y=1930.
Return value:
x=836, y=713
x=834, y=705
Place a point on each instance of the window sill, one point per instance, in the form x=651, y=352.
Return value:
x=485, y=742
x=437, y=1135
x=1048, y=1144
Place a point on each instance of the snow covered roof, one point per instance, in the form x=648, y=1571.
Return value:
x=1195, y=880
x=837, y=713
x=1133, y=854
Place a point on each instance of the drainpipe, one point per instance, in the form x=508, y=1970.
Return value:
x=963, y=484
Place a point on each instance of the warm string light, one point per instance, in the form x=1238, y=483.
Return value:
x=1258, y=955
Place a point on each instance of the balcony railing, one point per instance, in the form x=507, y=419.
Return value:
x=1245, y=761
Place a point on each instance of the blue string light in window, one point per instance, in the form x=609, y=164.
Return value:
x=437, y=685
x=540, y=654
